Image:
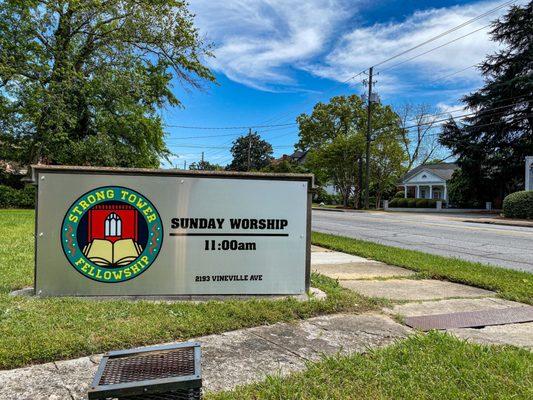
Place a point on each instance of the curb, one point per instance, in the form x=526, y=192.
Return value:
x=344, y=210
x=504, y=223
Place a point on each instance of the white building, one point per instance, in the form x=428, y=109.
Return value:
x=429, y=181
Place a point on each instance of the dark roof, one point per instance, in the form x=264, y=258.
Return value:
x=442, y=170
x=298, y=155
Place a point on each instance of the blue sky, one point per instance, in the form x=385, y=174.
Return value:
x=275, y=59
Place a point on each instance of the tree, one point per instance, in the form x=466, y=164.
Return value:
x=285, y=167
x=81, y=81
x=335, y=134
x=337, y=162
x=205, y=166
x=387, y=163
x=417, y=135
x=492, y=144
x=250, y=152
x=324, y=133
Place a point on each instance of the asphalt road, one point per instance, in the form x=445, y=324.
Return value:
x=447, y=235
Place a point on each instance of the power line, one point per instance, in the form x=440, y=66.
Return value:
x=194, y=146
x=435, y=48
x=436, y=123
x=478, y=126
x=375, y=65
x=452, y=74
x=464, y=108
x=482, y=113
x=227, y=127
x=432, y=39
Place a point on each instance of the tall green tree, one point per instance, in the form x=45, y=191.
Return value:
x=335, y=135
x=250, y=152
x=491, y=145
x=388, y=163
x=81, y=80
x=336, y=162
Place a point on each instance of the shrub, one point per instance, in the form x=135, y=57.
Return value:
x=411, y=203
x=17, y=198
x=421, y=203
x=402, y=203
x=393, y=202
x=323, y=197
x=519, y=205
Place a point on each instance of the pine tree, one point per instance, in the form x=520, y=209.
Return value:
x=492, y=144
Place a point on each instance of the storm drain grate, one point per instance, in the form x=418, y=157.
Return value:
x=152, y=373
x=472, y=319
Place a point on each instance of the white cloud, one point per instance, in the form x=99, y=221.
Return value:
x=450, y=109
x=257, y=42
x=362, y=47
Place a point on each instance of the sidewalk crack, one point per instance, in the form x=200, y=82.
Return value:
x=280, y=346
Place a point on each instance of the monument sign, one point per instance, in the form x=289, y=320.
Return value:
x=107, y=231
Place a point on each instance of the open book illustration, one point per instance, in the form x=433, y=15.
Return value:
x=107, y=254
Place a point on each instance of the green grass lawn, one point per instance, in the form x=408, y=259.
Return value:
x=512, y=285
x=34, y=330
x=434, y=366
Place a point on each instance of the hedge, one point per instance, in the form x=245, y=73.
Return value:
x=519, y=205
x=17, y=198
x=415, y=203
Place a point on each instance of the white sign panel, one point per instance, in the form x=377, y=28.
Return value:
x=109, y=232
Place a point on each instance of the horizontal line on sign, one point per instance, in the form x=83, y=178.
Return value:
x=228, y=234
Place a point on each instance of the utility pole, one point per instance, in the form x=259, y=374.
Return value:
x=249, y=148
x=184, y=164
x=202, y=157
x=368, y=139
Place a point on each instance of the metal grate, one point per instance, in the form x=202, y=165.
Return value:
x=170, y=372
x=153, y=365
x=185, y=394
x=472, y=319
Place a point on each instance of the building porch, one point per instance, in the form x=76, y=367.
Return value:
x=426, y=191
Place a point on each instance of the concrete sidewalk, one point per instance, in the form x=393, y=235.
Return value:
x=419, y=297
x=228, y=359
x=249, y=355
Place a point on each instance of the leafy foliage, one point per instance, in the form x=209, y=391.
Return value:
x=462, y=193
x=205, y=166
x=17, y=198
x=81, y=81
x=492, y=144
x=519, y=205
x=335, y=135
x=285, y=167
x=250, y=152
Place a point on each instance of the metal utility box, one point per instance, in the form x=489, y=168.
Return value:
x=152, y=373
x=140, y=232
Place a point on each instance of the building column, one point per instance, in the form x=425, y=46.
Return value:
x=417, y=193
x=431, y=191
x=405, y=191
x=445, y=196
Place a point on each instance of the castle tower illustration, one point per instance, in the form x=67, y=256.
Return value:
x=112, y=235
x=112, y=222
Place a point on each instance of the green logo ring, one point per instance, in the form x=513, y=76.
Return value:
x=112, y=234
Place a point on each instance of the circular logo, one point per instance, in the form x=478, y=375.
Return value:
x=112, y=234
